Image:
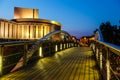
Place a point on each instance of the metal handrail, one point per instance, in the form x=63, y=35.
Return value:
x=35, y=46
x=43, y=39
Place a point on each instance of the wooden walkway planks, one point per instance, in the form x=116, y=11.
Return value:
x=71, y=64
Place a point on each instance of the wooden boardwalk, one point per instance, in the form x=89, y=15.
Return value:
x=71, y=64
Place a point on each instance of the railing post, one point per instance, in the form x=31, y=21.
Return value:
x=97, y=52
x=67, y=45
x=92, y=46
x=61, y=46
x=56, y=47
x=108, y=65
x=100, y=55
x=40, y=51
x=64, y=46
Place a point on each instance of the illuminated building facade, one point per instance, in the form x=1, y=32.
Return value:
x=26, y=25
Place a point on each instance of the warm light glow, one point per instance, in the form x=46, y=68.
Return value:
x=56, y=48
x=37, y=32
x=92, y=38
x=0, y=64
x=2, y=30
x=85, y=38
x=40, y=52
x=45, y=30
x=25, y=29
x=60, y=46
x=53, y=21
x=2, y=33
x=27, y=34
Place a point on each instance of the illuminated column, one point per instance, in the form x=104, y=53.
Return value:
x=6, y=30
x=52, y=28
x=10, y=30
x=47, y=29
x=22, y=31
x=15, y=31
x=27, y=31
x=42, y=31
x=34, y=31
x=37, y=32
x=19, y=31
x=31, y=31
x=2, y=30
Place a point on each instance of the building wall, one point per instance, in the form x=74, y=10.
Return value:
x=25, y=13
x=25, y=30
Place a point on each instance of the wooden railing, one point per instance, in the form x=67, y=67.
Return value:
x=108, y=59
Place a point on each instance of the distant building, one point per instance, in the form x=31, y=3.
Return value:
x=26, y=25
x=85, y=40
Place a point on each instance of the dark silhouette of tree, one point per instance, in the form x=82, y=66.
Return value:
x=110, y=33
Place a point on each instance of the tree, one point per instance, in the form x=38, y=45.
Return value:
x=110, y=33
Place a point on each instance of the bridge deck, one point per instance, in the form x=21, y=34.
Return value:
x=71, y=64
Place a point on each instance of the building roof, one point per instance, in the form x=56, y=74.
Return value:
x=36, y=20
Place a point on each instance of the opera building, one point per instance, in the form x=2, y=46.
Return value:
x=26, y=25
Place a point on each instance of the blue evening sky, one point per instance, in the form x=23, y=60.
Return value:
x=78, y=17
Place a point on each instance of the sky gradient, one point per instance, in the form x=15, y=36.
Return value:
x=78, y=17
